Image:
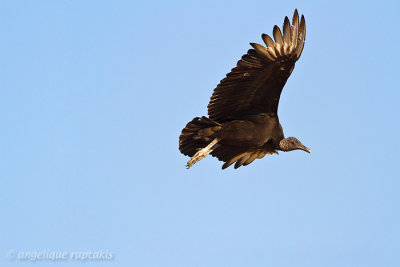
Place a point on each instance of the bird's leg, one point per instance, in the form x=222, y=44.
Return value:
x=202, y=153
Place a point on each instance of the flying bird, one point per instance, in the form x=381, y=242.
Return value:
x=243, y=123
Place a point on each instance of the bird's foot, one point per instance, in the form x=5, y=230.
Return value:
x=202, y=153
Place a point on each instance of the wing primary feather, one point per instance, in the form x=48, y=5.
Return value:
x=295, y=20
x=261, y=154
x=278, y=49
x=252, y=157
x=295, y=23
x=262, y=51
x=242, y=160
x=292, y=39
x=268, y=40
x=301, y=37
x=286, y=31
x=232, y=160
x=302, y=27
x=278, y=35
x=271, y=51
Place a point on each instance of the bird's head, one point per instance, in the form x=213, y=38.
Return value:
x=291, y=143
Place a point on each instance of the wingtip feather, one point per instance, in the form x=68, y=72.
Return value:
x=262, y=51
x=286, y=31
x=278, y=35
x=268, y=40
x=295, y=19
x=301, y=37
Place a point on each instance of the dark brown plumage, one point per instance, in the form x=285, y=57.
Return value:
x=243, y=123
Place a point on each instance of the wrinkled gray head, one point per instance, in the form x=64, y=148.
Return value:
x=291, y=143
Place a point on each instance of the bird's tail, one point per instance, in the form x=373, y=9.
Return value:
x=199, y=134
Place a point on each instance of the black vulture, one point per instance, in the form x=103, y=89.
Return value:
x=243, y=123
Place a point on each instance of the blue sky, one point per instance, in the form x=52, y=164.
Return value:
x=94, y=95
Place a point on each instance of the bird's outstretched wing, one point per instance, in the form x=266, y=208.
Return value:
x=255, y=84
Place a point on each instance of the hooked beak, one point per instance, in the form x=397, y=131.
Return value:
x=306, y=149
